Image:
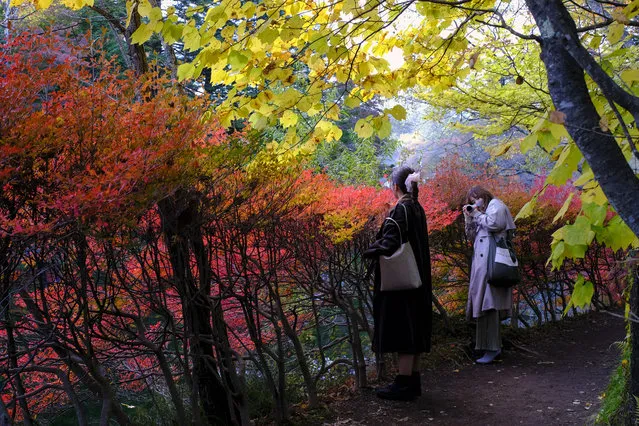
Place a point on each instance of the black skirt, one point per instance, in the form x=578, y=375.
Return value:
x=402, y=321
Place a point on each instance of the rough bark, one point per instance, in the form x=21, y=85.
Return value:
x=567, y=86
x=634, y=341
x=136, y=51
x=178, y=219
x=559, y=24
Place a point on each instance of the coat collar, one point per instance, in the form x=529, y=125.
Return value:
x=404, y=198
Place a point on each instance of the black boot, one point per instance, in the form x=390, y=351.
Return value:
x=401, y=389
x=416, y=383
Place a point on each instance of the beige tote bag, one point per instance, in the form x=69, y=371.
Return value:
x=399, y=271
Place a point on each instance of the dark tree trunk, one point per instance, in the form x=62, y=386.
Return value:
x=566, y=83
x=136, y=51
x=359, y=362
x=13, y=363
x=634, y=341
x=179, y=216
x=292, y=335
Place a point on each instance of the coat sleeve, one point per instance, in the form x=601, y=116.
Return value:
x=495, y=219
x=389, y=240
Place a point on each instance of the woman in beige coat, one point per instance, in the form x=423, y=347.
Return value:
x=488, y=305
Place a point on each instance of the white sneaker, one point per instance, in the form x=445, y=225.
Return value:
x=488, y=357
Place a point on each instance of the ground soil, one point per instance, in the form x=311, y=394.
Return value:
x=551, y=376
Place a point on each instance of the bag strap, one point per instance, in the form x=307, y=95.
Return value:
x=399, y=227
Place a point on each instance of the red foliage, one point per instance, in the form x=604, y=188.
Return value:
x=85, y=157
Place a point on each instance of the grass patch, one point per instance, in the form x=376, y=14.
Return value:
x=615, y=400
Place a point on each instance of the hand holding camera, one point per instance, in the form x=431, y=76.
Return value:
x=469, y=209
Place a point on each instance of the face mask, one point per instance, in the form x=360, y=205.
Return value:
x=479, y=202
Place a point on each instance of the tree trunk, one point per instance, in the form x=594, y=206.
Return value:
x=136, y=51
x=634, y=341
x=13, y=363
x=570, y=95
x=359, y=361
x=291, y=333
x=9, y=13
x=179, y=216
x=5, y=419
x=170, y=383
x=442, y=311
x=91, y=377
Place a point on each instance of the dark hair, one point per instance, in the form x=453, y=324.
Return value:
x=399, y=178
x=479, y=192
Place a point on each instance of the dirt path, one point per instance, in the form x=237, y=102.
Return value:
x=559, y=385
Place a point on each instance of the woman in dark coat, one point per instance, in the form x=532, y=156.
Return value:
x=403, y=319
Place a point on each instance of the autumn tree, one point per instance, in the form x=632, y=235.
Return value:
x=262, y=50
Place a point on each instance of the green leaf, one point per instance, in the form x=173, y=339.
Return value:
x=288, y=119
x=268, y=35
x=191, y=38
x=595, y=212
x=171, y=32
x=579, y=233
x=541, y=124
x=423, y=8
x=384, y=128
x=352, y=102
x=501, y=149
x=586, y=177
x=528, y=143
x=237, y=61
x=185, y=71
x=155, y=15
x=547, y=140
x=557, y=255
x=258, y=121
x=558, y=130
x=398, y=112
x=617, y=235
x=615, y=32
x=564, y=208
x=593, y=194
x=142, y=34
x=581, y=294
x=527, y=209
x=363, y=128
x=632, y=10
x=565, y=166
x=630, y=76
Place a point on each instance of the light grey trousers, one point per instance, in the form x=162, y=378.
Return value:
x=488, y=334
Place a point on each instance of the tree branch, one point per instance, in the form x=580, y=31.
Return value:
x=560, y=25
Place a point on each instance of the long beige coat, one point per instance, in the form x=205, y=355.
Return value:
x=482, y=296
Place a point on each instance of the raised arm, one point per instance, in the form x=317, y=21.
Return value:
x=495, y=219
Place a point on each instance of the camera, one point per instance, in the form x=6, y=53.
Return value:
x=470, y=207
